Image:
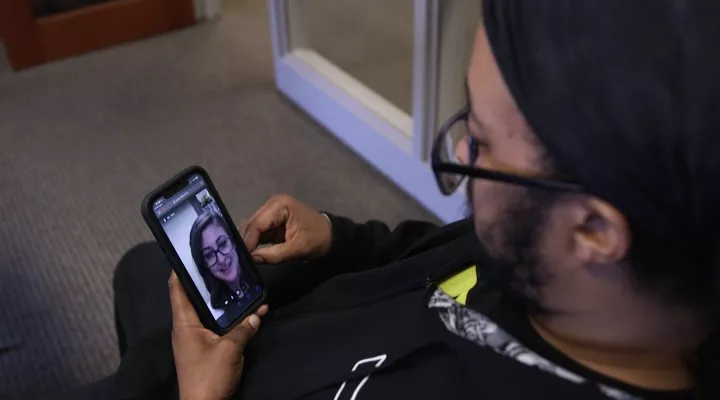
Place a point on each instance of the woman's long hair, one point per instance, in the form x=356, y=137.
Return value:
x=219, y=291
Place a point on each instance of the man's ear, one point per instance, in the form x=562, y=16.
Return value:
x=602, y=235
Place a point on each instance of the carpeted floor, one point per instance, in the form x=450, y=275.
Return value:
x=81, y=141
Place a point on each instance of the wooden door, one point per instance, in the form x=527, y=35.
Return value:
x=31, y=40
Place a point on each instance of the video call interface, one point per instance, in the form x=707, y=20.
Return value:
x=201, y=237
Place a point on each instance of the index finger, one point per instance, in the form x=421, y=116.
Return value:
x=269, y=217
x=183, y=313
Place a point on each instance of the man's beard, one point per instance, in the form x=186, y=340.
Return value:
x=513, y=241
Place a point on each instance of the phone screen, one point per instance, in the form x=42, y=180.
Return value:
x=202, y=238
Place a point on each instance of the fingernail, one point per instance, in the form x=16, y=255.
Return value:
x=254, y=321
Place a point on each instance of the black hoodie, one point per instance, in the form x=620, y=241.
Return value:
x=358, y=325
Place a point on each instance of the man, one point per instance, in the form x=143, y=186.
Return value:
x=587, y=270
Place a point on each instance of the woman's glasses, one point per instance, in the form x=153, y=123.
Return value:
x=450, y=173
x=224, y=247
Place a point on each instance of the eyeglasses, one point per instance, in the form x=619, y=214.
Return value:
x=450, y=174
x=225, y=246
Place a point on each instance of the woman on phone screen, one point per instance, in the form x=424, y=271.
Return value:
x=217, y=259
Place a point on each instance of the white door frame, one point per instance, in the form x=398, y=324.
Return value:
x=397, y=144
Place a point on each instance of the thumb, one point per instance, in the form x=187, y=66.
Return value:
x=277, y=253
x=244, y=331
x=248, y=328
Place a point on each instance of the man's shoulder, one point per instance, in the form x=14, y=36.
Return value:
x=462, y=226
x=440, y=237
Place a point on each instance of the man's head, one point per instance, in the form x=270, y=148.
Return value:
x=542, y=236
x=568, y=90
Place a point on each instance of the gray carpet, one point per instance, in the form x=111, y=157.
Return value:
x=81, y=141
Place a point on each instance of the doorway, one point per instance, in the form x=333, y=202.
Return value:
x=381, y=76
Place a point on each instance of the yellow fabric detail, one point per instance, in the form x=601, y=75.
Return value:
x=460, y=284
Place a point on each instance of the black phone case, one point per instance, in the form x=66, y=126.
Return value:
x=193, y=294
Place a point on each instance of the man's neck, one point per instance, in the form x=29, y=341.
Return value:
x=651, y=367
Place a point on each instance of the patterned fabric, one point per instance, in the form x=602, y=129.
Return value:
x=479, y=329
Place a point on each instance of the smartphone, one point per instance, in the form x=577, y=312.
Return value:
x=193, y=228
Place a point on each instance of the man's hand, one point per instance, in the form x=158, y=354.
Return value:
x=208, y=366
x=296, y=231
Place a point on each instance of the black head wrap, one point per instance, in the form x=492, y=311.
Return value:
x=625, y=95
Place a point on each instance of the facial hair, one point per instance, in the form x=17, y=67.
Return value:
x=517, y=271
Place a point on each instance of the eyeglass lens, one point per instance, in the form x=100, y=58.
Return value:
x=225, y=246
x=457, y=132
